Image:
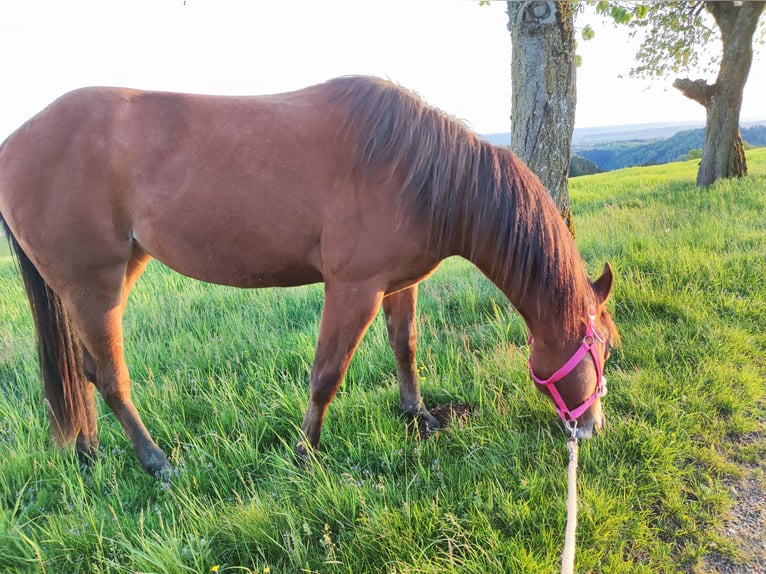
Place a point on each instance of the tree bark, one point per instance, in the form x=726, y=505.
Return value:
x=544, y=96
x=723, y=154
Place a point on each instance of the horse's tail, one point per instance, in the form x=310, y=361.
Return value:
x=59, y=351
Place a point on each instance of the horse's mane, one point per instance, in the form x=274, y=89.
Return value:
x=445, y=168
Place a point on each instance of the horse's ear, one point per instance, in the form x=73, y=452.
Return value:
x=603, y=285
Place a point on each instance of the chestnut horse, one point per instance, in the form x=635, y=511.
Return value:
x=355, y=182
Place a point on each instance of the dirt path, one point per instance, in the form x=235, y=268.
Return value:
x=746, y=524
x=746, y=528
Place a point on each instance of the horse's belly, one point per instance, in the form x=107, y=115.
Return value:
x=240, y=265
x=256, y=276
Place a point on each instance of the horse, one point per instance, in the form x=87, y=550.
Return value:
x=355, y=182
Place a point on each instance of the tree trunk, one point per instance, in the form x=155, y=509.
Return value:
x=723, y=154
x=544, y=97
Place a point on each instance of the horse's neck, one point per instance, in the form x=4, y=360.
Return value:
x=508, y=227
x=528, y=302
x=535, y=303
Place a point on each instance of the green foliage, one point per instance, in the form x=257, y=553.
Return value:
x=695, y=153
x=578, y=165
x=622, y=12
x=679, y=36
x=220, y=376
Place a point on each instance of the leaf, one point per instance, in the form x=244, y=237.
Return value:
x=588, y=33
x=642, y=11
x=621, y=15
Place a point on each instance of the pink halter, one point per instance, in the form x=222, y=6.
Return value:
x=588, y=346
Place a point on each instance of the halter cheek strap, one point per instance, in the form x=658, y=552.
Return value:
x=588, y=346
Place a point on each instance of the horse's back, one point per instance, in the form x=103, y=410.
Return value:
x=247, y=191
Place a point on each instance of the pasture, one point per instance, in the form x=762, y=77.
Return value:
x=220, y=377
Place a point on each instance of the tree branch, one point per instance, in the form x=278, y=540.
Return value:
x=698, y=90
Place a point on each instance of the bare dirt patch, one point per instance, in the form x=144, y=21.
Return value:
x=447, y=414
x=451, y=414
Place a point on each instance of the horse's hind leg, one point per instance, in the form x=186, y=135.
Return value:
x=400, y=310
x=87, y=439
x=98, y=316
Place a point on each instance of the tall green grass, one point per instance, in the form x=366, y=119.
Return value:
x=220, y=376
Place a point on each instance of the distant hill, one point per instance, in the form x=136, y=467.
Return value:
x=615, y=155
x=593, y=136
x=588, y=137
x=626, y=146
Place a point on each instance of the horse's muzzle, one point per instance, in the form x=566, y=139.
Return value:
x=592, y=422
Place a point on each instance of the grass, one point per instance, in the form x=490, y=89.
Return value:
x=4, y=248
x=220, y=376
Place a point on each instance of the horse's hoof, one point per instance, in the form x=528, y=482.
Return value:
x=86, y=448
x=427, y=424
x=423, y=423
x=163, y=475
x=301, y=452
x=86, y=456
x=158, y=467
x=304, y=453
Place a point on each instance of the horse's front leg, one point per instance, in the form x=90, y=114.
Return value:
x=348, y=310
x=401, y=321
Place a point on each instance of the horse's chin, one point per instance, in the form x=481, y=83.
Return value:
x=591, y=423
x=584, y=433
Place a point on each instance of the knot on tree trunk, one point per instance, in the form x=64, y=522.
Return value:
x=536, y=14
x=698, y=90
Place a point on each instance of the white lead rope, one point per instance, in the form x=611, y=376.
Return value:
x=568, y=556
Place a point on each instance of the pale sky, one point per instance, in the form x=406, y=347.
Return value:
x=454, y=53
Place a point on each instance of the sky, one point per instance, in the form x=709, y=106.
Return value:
x=454, y=53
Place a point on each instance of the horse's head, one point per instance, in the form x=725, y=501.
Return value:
x=570, y=372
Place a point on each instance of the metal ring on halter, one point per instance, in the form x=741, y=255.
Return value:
x=571, y=427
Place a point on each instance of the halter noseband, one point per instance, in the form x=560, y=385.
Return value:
x=588, y=346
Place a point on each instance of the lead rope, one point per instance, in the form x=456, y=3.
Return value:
x=568, y=556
